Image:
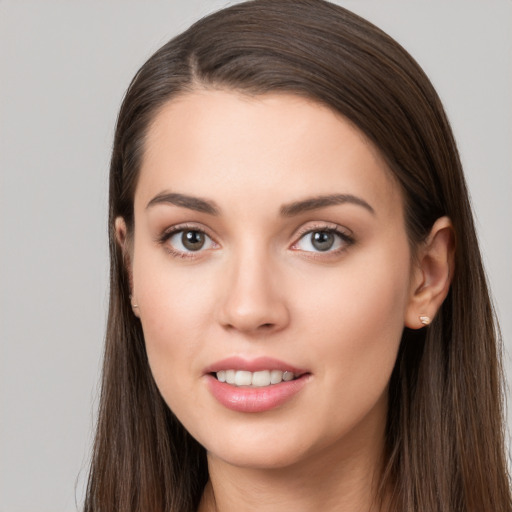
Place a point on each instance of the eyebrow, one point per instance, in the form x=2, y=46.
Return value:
x=190, y=202
x=314, y=203
x=287, y=210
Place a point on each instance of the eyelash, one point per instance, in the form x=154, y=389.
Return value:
x=346, y=239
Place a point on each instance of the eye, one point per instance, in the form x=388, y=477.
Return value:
x=186, y=241
x=322, y=240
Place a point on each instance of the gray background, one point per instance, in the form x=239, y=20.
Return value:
x=63, y=69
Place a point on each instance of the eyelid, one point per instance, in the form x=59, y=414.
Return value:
x=172, y=230
x=322, y=226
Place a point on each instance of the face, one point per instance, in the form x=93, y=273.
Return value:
x=270, y=252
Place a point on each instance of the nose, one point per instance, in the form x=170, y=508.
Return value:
x=254, y=298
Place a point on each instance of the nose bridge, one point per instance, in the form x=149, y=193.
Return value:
x=254, y=297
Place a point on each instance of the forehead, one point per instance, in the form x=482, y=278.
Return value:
x=234, y=146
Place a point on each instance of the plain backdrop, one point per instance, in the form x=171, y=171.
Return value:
x=64, y=67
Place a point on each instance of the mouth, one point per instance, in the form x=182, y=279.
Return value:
x=258, y=379
x=255, y=385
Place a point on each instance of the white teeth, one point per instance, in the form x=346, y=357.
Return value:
x=276, y=376
x=243, y=378
x=256, y=379
x=260, y=379
x=287, y=376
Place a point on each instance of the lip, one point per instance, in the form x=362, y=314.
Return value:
x=253, y=365
x=252, y=400
x=263, y=399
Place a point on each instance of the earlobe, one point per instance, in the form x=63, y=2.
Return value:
x=433, y=275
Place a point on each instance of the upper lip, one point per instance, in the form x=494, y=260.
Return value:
x=252, y=365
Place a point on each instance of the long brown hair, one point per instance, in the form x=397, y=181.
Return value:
x=445, y=446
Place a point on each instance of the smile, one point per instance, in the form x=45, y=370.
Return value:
x=254, y=385
x=258, y=379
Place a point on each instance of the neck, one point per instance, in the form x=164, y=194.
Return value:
x=338, y=479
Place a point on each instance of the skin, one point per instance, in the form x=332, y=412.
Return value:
x=259, y=287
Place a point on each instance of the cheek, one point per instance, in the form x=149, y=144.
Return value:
x=367, y=294
x=356, y=330
x=174, y=309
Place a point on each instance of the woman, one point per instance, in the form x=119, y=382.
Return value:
x=298, y=313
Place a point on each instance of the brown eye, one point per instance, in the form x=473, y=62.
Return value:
x=193, y=240
x=188, y=241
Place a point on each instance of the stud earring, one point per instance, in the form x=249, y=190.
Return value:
x=133, y=305
x=424, y=319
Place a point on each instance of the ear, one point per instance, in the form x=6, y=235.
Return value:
x=432, y=275
x=122, y=239
x=121, y=232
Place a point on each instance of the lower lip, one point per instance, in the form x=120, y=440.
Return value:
x=262, y=399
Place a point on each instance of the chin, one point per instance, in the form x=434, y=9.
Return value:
x=258, y=457
x=264, y=448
